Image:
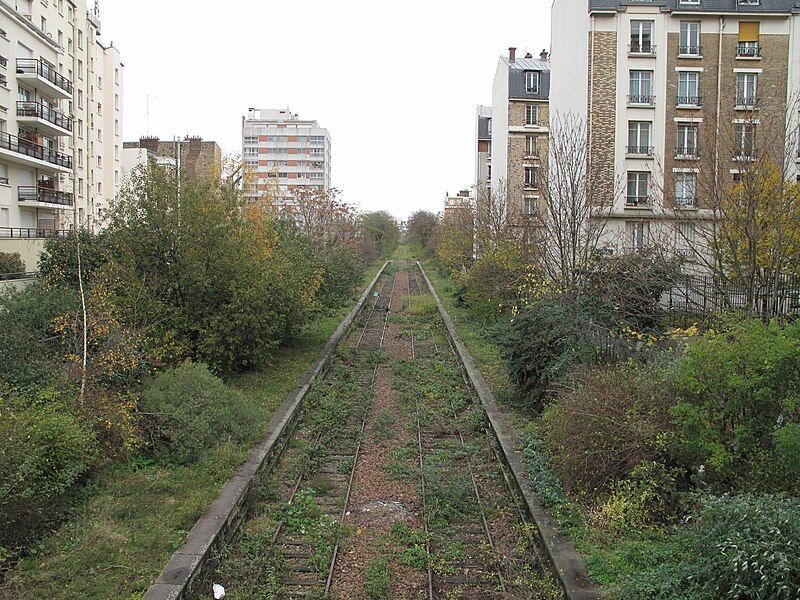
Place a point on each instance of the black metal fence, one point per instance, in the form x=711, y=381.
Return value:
x=707, y=295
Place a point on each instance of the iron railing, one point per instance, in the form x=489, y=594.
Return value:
x=41, y=194
x=640, y=150
x=42, y=111
x=690, y=50
x=688, y=100
x=648, y=99
x=32, y=232
x=34, y=150
x=747, y=101
x=643, y=201
x=687, y=152
x=748, y=51
x=30, y=66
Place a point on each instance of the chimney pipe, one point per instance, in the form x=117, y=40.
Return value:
x=543, y=55
x=512, y=54
x=528, y=55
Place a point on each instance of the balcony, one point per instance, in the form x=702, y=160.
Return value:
x=641, y=100
x=752, y=52
x=31, y=233
x=690, y=52
x=47, y=120
x=26, y=152
x=688, y=102
x=744, y=154
x=687, y=152
x=44, y=78
x=45, y=197
x=684, y=202
x=637, y=202
x=645, y=50
x=531, y=154
x=642, y=151
x=745, y=102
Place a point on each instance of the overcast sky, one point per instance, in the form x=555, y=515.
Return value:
x=396, y=84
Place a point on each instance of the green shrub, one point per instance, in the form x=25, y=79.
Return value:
x=188, y=410
x=606, y=423
x=45, y=451
x=543, y=343
x=27, y=320
x=11, y=263
x=735, y=390
x=742, y=546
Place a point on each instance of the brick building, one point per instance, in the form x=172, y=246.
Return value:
x=677, y=95
x=194, y=158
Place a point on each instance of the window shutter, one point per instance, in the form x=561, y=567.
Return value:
x=748, y=31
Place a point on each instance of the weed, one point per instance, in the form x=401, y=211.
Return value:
x=378, y=579
x=384, y=425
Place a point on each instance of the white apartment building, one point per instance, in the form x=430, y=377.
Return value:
x=60, y=122
x=284, y=153
x=675, y=94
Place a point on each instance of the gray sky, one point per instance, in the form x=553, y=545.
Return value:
x=396, y=84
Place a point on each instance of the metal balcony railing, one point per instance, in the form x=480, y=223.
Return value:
x=687, y=152
x=34, y=150
x=642, y=201
x=744, y=154
x=684, y=202
x=647, y=99
x=35, y=66
x=643, y=48
x=746, y=101
x=42, y=194
x=690, y=50
x=748, y=51
x=688, y=100
x=31, y=232
x=640, y=150
x=51, y=115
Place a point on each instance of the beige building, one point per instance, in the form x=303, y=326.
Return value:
x=679, y=96
x=60, y=122
x=519, y=133
x=284, y=153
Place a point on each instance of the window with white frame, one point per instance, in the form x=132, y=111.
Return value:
x=687, y=140
x=685, y=189
x=746, y=89
x=637, y=233
x=531, y=145
x=745, y=139
x=689, y=43
x=639, y=137
x=641, y=87
x=530, y=176
x=3, y=174
x=689, y=88
x=685, y=238
x=637, y=188
x=532, y=82
x=642, y=37
x=4, y=217
x=531, y=114
x=531, y=205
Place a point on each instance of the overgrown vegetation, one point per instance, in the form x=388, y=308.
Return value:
x=184, y=286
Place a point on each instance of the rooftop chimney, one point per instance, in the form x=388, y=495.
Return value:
x=512, y=54
x=543, y=55
x=528, y=55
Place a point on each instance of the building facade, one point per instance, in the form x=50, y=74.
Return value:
x=678, y=95
x=60, y=122
x=483, y=149
x=284, y=153
x=519, y=134
x=192, y=158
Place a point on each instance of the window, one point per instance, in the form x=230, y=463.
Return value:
x=80, y=69
x=3, y=174
x=116, y=126
x=745, y=140
x=99, y=109
x=531, y=206
x=531, y=114
x=250, y=151
x=80, y=128
x=81, y=215
x=688, y=88
x=250, y=139
x=44, y=25
x=80, y=157
x=99, y=161
x=637, y=232
x=80, y=39
x=61, y=38
x=531, y=146
x=4, y=218
x=530, y=176
x=685, y=238
x=116, y=152
x=99, y=187
x=637, y=188
x=116, y=101
x=99, y=82
x=116, y=76
x=639, y=137
x=689, y=43
x=746, y=84
x=532, y=82
x=685, y=189
x=687, y=140
x=642, y=37
x=641, y=87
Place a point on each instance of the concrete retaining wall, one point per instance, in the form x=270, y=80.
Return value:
x=180, y=576
x=567, y=563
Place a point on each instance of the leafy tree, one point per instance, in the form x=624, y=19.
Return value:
x=421, y=227
x=380, y=230
x=454, y=240
x=11, y=263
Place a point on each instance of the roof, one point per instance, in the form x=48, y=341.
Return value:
x=726, y=6
x=527, y=64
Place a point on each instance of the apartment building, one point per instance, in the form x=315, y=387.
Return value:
x=677, y=94
x=459, y=204
x=194, y=158
x=60, y=122
x=483, y=149
x=519, y=133
x=284, y=153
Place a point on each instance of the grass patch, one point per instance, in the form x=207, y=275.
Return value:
x=131, y=517
x=383, y=426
